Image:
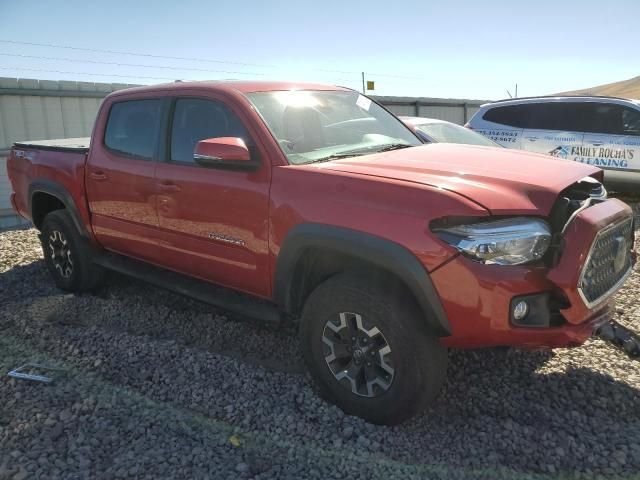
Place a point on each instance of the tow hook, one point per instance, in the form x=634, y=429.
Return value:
x=621, y=337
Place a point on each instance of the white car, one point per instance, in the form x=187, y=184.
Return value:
x=431, y=130
x=601, y=131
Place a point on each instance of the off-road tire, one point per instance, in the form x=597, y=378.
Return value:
x=419, y=360
x=68, y=255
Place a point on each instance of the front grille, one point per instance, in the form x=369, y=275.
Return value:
x=609, y=262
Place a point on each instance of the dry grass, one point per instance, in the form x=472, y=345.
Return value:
x=625, y=89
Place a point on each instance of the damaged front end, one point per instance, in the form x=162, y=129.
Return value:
x=557, y=300
x=621, y=337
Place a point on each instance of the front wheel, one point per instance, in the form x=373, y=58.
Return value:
x=369, y=351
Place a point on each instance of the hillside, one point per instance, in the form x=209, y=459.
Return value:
x=625, y=89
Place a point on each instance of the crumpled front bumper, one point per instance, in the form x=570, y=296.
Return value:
x=477, y=297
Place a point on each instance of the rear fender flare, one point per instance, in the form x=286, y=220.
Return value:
x=56, y=190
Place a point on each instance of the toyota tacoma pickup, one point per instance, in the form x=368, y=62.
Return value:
x=314, y=204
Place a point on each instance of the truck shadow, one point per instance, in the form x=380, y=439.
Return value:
x=131, y=306
x=28, y=280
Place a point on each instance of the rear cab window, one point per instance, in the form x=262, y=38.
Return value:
x=133, y=127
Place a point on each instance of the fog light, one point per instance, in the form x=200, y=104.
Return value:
x=520, y=310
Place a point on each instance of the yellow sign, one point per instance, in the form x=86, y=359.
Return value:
x=370, y=85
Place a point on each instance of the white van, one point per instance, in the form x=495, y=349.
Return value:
x=601, y=131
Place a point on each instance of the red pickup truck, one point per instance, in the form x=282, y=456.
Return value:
x=315, y=204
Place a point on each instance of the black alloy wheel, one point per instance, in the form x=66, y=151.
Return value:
x=368, y=349
x=359, y=357
x=60, y=252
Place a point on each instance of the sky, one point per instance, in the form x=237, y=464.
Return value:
x=452, y=49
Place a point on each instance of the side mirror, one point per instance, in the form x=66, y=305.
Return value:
x=224, y=152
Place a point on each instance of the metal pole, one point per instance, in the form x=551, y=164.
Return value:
x=363, y=90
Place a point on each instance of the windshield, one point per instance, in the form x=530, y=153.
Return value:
x=313, y=126
x=451, y=133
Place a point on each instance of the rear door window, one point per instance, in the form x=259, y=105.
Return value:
x=559, y=116
x=553, y=128
x=133, y=128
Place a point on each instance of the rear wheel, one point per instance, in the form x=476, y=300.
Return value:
x=368, y=350
x=67, y=255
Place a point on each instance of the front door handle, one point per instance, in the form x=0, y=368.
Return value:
x=98, y=175
x=168, y=187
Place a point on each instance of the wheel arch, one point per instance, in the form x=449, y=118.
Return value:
x=46, y=196
x=311, y=253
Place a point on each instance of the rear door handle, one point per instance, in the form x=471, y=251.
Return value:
x=168, y=187
x=98, y=175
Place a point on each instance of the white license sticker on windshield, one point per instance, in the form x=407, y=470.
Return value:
x=363, y=102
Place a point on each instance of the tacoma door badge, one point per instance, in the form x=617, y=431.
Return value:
x=225, y=238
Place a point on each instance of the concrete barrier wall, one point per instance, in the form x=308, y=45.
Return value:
x=453, y=110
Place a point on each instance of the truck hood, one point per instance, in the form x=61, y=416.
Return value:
x=503, y=181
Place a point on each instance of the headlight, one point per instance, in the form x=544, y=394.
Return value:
x=511, y=241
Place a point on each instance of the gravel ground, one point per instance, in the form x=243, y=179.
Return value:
x=158, y=386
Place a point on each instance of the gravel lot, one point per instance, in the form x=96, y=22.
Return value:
x=158, y=386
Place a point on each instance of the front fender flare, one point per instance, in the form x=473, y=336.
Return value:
x=373, y=250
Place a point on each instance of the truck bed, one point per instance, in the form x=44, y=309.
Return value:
x=47, y=164
x=77, y=145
